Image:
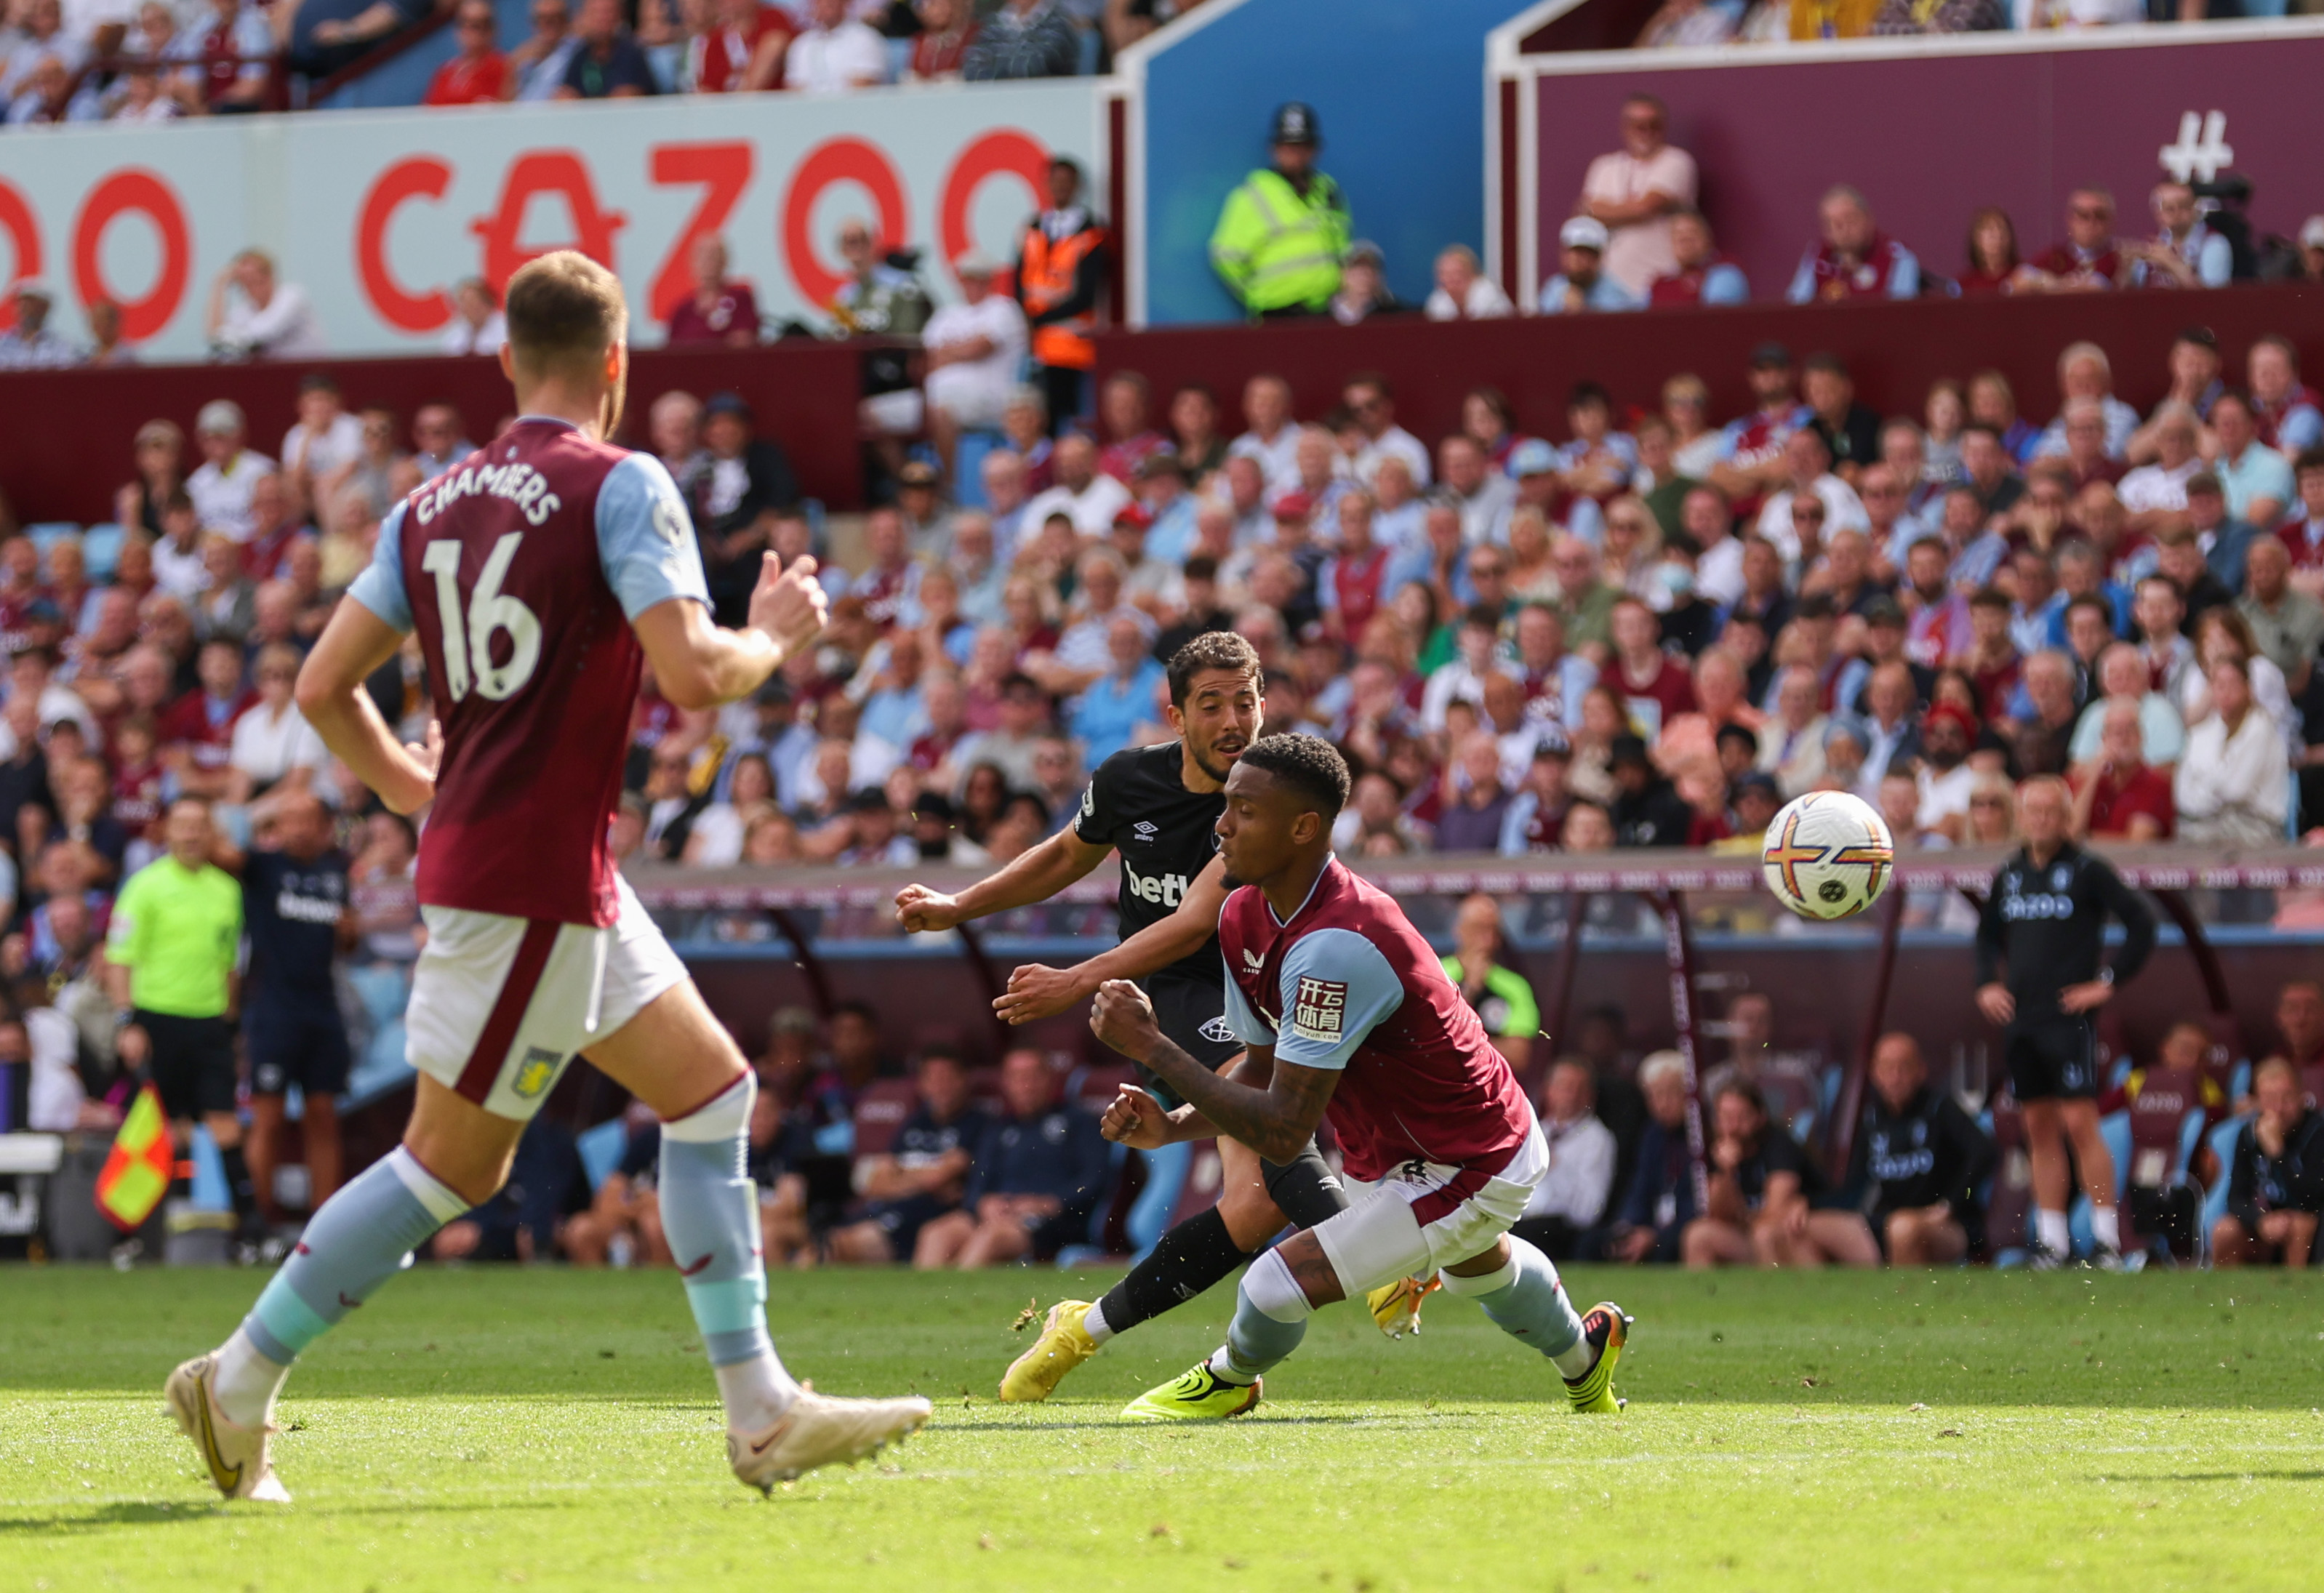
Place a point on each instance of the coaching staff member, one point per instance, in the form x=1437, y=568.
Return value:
x=170, y=950
x=2045, y=917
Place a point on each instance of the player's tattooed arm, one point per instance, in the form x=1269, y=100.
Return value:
x=1277, y=1121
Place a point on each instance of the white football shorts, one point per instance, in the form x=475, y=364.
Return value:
x=500, y=1005
x=1425, y=1215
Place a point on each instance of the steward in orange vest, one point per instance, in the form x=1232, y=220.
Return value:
x=1059, y=273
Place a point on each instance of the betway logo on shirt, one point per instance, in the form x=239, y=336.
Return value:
x=1167, y=889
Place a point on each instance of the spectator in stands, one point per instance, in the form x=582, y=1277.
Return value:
x=607, y=62
x=478, y=74
x=2275, y=1182
x=1635, y=193
x=2085, y=374
x=2117, y=794
x=2256, y=479
x=1463, y=292
x=746, y=487
x=1659, y=1205
x=1497, y=993
x=975, y=348
x=940, y=48
x=1792, y=743
x=2289, y=415
x=1476, y=800
x=741, y=51
x=2286, y=622
x=2186, y=252
x=29, y=345
x=2122, y=677
x=220, y=487
x=226, y=57
x=2232, y=789
x=1038, y=1173
x=1995, y=265
x=1854, y=258
x=1917, y=1162
x=1581, y=282
x=2089, y=259
x=924, y=1173
x=251, y=314
x=273, y=745
x=1563, y=1215
x=1023, y=39
x=1698, y=273
x=159, y=473
x=720, y=309
x=1363, y=290
x=1901, y=17
x=1686, y=24
x=1763, y=1190
x=478, y=325
x=541, y=61
x=1647, y=809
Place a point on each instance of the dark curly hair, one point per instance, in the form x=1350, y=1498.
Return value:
x=1309, y=764
x=1213, y=649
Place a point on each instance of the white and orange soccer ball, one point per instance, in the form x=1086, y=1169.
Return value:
x=1827, y=855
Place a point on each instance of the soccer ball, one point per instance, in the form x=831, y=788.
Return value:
x=1827, y=855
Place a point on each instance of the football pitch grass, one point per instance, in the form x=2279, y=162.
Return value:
x=492, y=1428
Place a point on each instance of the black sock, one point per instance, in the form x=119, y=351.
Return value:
x=1191, y=1257
x=238, y=1184
x=1305, y=1189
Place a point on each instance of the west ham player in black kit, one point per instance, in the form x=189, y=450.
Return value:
x=1156, y=806
x=2046, y=917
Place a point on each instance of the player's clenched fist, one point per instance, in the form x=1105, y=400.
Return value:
x=921, y=910
x=1123, y=1018
x=789, y=604
x=1136, y=1120
x=1038, y=990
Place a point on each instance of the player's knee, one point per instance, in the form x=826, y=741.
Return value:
x=2227, y=1233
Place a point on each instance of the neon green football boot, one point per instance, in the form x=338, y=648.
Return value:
x=1605, y=1325
x=1198, y=1395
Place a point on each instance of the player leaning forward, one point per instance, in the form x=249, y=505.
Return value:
x=1346, y=1013
x=538, y=575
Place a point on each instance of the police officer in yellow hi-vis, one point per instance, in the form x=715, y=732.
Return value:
x=1279, y=239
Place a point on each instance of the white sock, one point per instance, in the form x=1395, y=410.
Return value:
x=246, y=1382
x=2106, y=1227
x=1577, y=1361
x=2056, y=1238
x=1095, y=1325
x=755, y=1392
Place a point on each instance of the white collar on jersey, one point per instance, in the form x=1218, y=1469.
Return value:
x=1328, y=859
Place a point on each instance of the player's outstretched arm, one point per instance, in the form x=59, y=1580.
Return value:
x=1038, y=990
x=696, y=665
x=1033, y=875
x=330, y=694
x=1277, y=1121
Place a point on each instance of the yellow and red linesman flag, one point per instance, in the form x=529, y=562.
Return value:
x=137, y=1173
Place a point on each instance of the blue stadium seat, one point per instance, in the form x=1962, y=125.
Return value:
x=209, y=1192
x=49, y=533
x=601, y=1150
x=100, y=548
x=383, y=987
x=381, y=1068
x=968, y=468
x=1150, y=1215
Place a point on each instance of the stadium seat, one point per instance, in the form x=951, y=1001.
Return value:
x=1166, y=1176
x=880, y=1114
x=383, y=987
x=100, y=549
x=968, y=468
x=381, y=1068
x=600, y=1150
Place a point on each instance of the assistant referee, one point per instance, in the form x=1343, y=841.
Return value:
x=2045, y=917
x=171, y=954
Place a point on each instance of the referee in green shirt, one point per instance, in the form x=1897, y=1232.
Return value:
x=1497, y=994
x=176, y=929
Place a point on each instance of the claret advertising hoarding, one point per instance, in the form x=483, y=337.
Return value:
x=379, y=215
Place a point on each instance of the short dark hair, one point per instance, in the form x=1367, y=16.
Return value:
x=861, y=1009
x=2091, y=600
x=1589, y=392
x=1309, y=764
x=2311, y=458
x=1201, y=567
x=1732, y=732
x=1213, y=649
x=1990, y=597
x=1825, y=360
x=318, y=381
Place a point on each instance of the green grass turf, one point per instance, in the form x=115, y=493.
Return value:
x=488, y=1428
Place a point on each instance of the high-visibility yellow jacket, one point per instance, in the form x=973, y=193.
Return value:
x=1279, y=249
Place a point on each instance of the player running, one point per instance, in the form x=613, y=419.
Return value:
x=1158, y=806
x=1348, y=1014
x=538, y=573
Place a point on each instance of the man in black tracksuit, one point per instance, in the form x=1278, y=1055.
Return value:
x=2275, y=1187
x=2046, y=917
x=1916, y=1163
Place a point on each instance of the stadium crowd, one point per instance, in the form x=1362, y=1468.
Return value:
x=1694, y=23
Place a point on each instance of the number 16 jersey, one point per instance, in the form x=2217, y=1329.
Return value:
x=521, y=569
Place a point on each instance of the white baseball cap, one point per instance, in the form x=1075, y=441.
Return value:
x=1582, y=232
x=218, y=418
x=33, y=288
x=2312, y=232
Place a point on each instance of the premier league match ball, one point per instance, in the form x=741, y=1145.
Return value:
x=1827, y=855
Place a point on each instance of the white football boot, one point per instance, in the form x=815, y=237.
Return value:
x=236, y=1456
x=821, y=1430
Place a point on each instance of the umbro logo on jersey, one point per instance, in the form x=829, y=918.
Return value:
x=1252, y=960
x=1144, y=830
